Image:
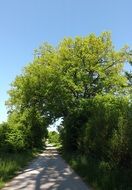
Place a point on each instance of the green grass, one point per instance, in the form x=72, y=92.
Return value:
x=99, y=174
x=11, y=163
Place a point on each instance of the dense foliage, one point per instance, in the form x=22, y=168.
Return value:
x=82, y=81
x=53, y=138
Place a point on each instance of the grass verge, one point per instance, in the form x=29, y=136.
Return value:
x=98, y=174
x=11, y=163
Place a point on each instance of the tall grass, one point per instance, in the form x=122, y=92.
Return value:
x=99, y=174
x=11, y=163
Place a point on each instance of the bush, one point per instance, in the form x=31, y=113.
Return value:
x=4, y=128
x=53, y=137
x=25, y=130
x=16, y=138
x=102, y=128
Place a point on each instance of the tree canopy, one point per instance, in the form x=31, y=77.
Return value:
x=60, y=79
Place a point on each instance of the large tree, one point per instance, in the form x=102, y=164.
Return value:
x=77, y=69
x=60, y=81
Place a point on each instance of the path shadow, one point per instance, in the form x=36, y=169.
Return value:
x=48, y=172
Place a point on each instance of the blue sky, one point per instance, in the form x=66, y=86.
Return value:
x=25, y=24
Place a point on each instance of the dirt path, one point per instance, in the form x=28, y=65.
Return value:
x=49, y=171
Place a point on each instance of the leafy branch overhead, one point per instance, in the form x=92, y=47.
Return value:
x=77, y=69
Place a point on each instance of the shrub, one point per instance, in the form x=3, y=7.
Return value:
x=53, y=137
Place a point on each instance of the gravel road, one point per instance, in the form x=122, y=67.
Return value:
x=47, y=172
